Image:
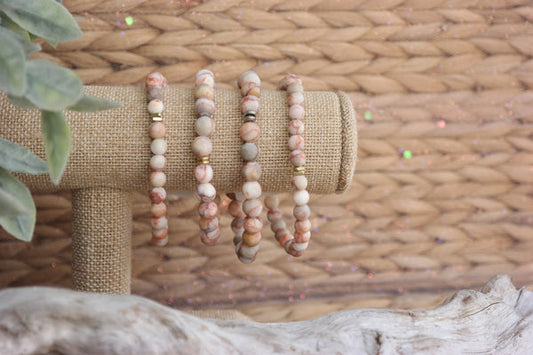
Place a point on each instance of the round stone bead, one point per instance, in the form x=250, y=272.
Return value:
x=158, y=210
x=206, y=192
x=274, y=215
x=158, y=162
x=204, y=90
x=159, y=233
x=205, y=106
x=296, y=98
x=252, y=208
x=279, y=224
x=296, y=127
x=205, y=76
x=290, y=250
x=253, y=224
x=249, y=77
x=157, y=130
x=299, y=246
x=154, y=93
x=296, y=142
x=235, y=209
x=158, y=179
x=250, y=132
x=296, y=112
x=247, y=253
x=155, y=107
x=156, y=80
x=202, y=146
x=159, y=146
x=208, y=224
x=295, y=87
x=301, y=213
x=251, y=239
x=159, y=242
x=301, y=197
x=302, y=237
x=250, y=103
x=302, y=226
x=272, y=201
x=250, y=88
x=283, y=236
x=251, y=190
x=237, y=239
x=205, y=126
x=289, y=79
x=249, y=151
x=158, y=195
x=297, y=158
x=251, y=171
x=210, y=238
x=237, y=225
x=203, y=173
x=299, y=182
x=207, y=209
x=159, y=222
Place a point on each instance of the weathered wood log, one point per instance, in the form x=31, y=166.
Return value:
x=497, y=319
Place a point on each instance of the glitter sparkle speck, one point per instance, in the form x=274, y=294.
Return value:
x=407, y=154
x=368, y=115
x=441, y=124
x=129, y=20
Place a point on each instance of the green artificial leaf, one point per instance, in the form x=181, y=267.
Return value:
x=10, y=25
x=21, y=101
x=89, y=103
x=45, y=18
x=56, y=136
x=12, y=62
x=14, y=157
x=28, y=46
x=21, y=225
x=50, y=86
x=10, y=204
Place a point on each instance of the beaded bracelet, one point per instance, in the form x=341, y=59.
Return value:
x=247, y=208
x=202, y=147
x=294, y=245
x=155, y=83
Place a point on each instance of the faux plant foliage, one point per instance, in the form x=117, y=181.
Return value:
x=12, y=62
x=16, y=158
x=20, y=225
x=56, y=135
x=89, y=103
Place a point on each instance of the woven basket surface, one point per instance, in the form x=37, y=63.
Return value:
x=443, y=193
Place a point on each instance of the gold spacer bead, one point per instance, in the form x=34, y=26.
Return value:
x=156, y=117
x=299, y=170
x=203, y=160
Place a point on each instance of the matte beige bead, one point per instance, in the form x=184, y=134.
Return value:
x=250, y=132
x=252, y=208
x=289, y=79
x=296, y=98
x=251, y=190
x=296, y=142
x=157, y=130
x=249, y=151
x=205, y=126
x=251, y=239
x=158, y=162
x=302, y=226
x=205, y=76
x=283, y=236
x=203, y=173
x=296, y=127
x=159, y=146
x=301, y=213
x=205, y=107
x=204, y=90
x=237, y=225
x=159, y=233
x=158, y=179
x=272, y=201
x=249, y=77
x=297, y=158
x=155, y=106
x=295, y=87
x=206, y=192
x=274, y=215
x=251, y=171
x=154, y=93
x=302, y=237
x=279, y=224
x=235, y=209
x=296, y=112
x=202, y=146
x=301, y=197
x=159, y=222
x=253, y=224
x=299, y=246
x=158, y=210
x=299, y=182
x=210, y=238
x=247, y=252
x=155, y=80
x=207, y=209
x=158, y=195
x=208, y=224
x=250, y=103
x=250, y=88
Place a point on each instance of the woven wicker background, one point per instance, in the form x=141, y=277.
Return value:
x=447, y=80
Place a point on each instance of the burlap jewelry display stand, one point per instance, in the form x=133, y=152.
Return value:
x=111, y=152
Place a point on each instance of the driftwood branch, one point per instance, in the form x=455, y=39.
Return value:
x=496, y=319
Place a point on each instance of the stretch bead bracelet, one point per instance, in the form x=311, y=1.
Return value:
x=294, y=245
x=202, y=147
x=246, y=210
x=155, y=83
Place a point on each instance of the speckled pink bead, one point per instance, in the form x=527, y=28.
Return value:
x=251, y=239
x=302, y=226
x=301, y=197
x=206, y=192
x=156, y=80
x=207, y=209
x=251, y=190
x=253, y=224
x=296, y=98
x=289, y=79
x=251, y=171
x=237, y=224
x=249, y=151
x=158, y=179
x=155, y=107
x=210, y=238
x=205, y=106
x=203, y=173
x=158, y=162
x=295, y=87
x=235, y=209
x=296, y=142
x=252, y=208
x=272, y=201
x=159, y=222
x=201, y=146
x=302, y=237
x=296, y=127
x=159, y=146
x=158, y=195
x=299, y=182
x=247, y=254
x=300, y=247
x=296, y=112
x=279, y=224
x=204, y=126
x=157, y=130
x=160, y=234
x=249, y=77
x=301, y=213
x=204, y=90
x=249, y=132
x=297, y=158
x=208, y=224
x=158, y=209
x=274, y=215
x=250, y=103
x=205, y=76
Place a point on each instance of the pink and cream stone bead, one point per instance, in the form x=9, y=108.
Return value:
x=202, y=147
x=155, y=83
